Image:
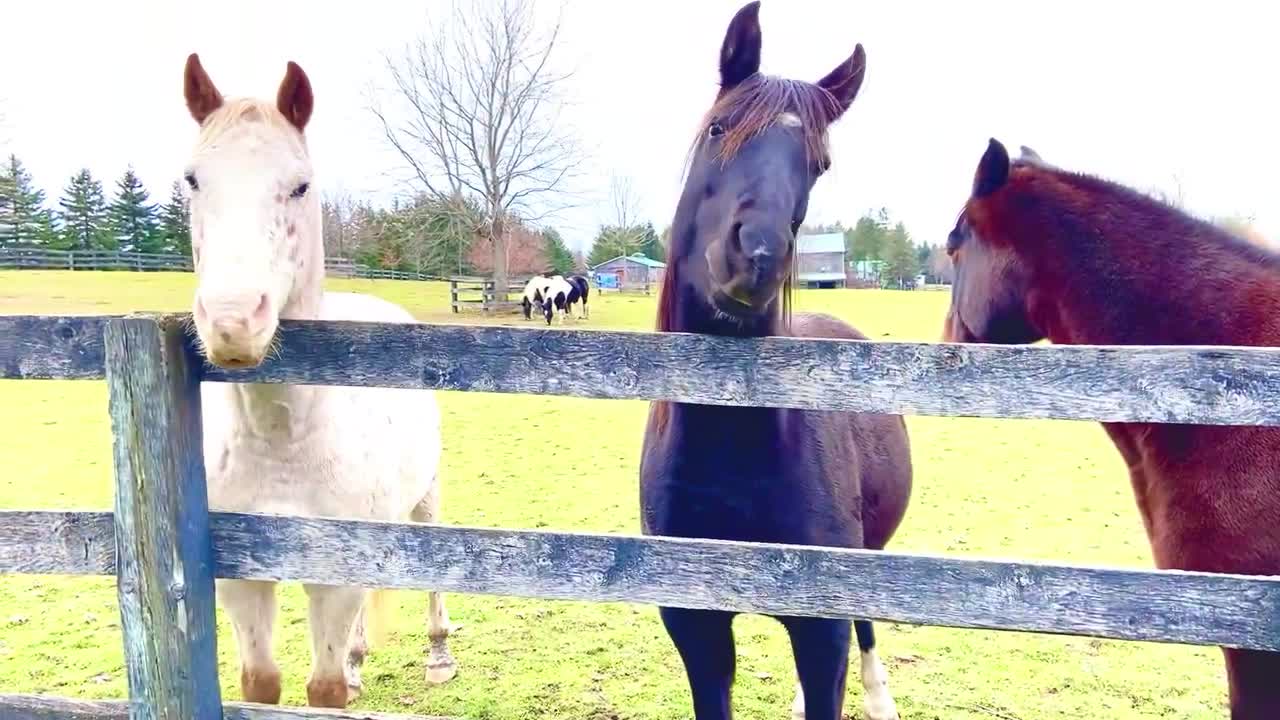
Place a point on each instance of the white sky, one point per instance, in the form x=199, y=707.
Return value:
x=1150, y=95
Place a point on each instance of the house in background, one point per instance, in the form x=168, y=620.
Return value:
x=628, y=271
x=820, y=260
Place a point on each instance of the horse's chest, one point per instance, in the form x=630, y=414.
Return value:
x=256, y=476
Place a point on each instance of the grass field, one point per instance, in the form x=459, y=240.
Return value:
x=1015, y=489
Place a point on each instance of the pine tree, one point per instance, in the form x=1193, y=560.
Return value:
x=133, y=219
x=85, y=224
x=175, y=223
x=558, y=254
x=22, y=211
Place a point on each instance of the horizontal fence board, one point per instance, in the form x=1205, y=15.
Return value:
x=1201, y=385
x=57, y=542
x=44, y=707
x=36, y=347
x=1162, y=606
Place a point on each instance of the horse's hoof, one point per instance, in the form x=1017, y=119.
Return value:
x=441, y=673
x=880, y=708
x=333, y=693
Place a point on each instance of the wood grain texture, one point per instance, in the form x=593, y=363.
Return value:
x=44, y=707
x=1170, y=606
x=163, y=545
x=34, y=347
x=57, y=543
x=1193, y=608
x=1213, y=386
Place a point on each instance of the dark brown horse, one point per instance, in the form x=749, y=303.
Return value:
x=763, y=474
x=1043, y=253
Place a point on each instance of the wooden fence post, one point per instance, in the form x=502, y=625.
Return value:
x=163, y=547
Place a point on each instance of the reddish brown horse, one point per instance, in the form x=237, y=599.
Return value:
x=1043, y=253
x=765, y=474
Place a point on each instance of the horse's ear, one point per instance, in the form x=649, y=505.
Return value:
x=740, y=52
x=993, y=170
x=202, y=95
x=844, y=82
x=294, y=99
x=1031, y=155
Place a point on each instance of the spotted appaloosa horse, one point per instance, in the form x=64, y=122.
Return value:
x=765, y=474
x=368, y=453
x=1039, y=253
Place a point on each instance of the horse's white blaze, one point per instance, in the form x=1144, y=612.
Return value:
x=789, y=119
x=365, y=453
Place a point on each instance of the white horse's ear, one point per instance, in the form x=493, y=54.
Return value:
x=1031, y=156
x=202, y=95
x=294, y=99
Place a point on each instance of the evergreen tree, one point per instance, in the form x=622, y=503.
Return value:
x=175, y=223
x=558, y=255
x=133, y=218
x=23, y=216
x=85, y=224
x=900, y=254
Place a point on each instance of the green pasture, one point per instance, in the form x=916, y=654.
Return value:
x=1004, y=489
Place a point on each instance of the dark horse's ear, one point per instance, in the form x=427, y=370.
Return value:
x=993, y=170
x=740, y=52
x=844, y=82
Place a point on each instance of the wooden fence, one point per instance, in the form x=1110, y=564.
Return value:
x=165, y=548
x=47, y=259
x=479, y=293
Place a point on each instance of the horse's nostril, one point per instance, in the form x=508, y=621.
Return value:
x=735, y=237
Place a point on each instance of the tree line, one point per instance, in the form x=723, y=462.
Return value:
x=885, y=247
x=84, y=218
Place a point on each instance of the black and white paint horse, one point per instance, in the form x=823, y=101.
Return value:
x=535, y=295
x=562, y=293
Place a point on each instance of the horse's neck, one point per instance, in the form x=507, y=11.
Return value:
x=1161, y=288
x=287, y=412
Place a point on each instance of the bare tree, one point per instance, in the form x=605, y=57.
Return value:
x=624, y=227
x=477, y=101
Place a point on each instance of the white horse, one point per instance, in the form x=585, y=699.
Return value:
x=367, y=453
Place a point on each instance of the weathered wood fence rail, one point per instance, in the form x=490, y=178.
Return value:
x=38, y=258
x=463, y=292
x=165, y=548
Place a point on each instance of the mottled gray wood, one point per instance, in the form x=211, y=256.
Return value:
x=57, y=543
x=1156, y=384
x=1202, y=385
x=35, y=347
x=43, y=707
x=1193, y=608
x=163, y=545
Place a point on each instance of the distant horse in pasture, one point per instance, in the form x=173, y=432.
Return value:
x=562, y=293
x=1040, y=253
x=534, y=295
x=765, y=474
x=583, y=287
x=367, y=453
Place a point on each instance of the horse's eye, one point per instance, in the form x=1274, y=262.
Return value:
x=300, y=190
x=191, y=181
x=715, y=129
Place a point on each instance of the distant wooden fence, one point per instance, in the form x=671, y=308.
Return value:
x=47, y=259
x=479, y=293
x=165, y=548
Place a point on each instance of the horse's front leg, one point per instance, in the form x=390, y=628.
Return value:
x=333, y=611
x=251, y=605
x=704, y=639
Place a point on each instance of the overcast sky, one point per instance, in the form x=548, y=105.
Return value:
x=1181, y=98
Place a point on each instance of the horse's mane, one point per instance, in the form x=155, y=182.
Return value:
x=1249, y=247
x=753, y=106
x=236, y=111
